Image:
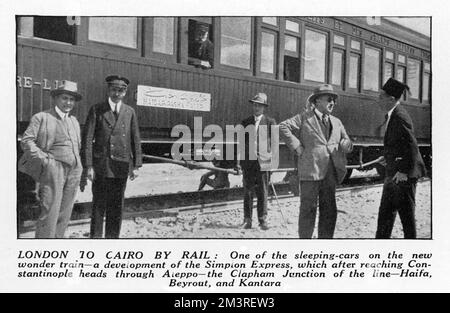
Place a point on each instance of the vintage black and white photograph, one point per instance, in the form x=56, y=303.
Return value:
x=223, y=155
x=224, y=127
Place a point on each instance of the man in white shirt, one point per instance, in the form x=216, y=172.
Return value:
x=51, y=147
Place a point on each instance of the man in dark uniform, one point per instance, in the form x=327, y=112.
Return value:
x=201, y=51
x=111, y=153
x=404, y=164
x=256, y=164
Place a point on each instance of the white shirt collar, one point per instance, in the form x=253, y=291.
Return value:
x=61, y=113
x=258, y=118
x=113, y=105
x=390, y=113
x=319, y=114
x=392, y=110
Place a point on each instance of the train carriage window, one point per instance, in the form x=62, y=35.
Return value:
x=291, y=59
x=355, y=45
x=292, y=26
x=426, y=83
x=413, y=77
x=426, y=87
x=268, y=44
x=120, y=31
x=338, y=65
x=291, y=44
x=371, y=69
x=388, y=71
x=401, y=70
x=163, y=35
x=401, y=75
x=339, y=40
x=271, y=20
x=315, y=55
x=354, y=70
x=390, y=55
x=291, y=69
x=200, y=47
x=235, y=41
x=54, y=28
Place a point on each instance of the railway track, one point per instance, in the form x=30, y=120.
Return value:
x=205, y=201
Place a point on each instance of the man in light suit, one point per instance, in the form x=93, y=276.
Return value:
x=111, y=153
x=256, y=161
x=51, y=156
x=404, y=164
x=321, y=142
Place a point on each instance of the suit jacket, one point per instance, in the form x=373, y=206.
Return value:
x=111, y=147
x=203, y=51
x=400, y=146
x=38, y=140
x=303, y=130
x=264, y=146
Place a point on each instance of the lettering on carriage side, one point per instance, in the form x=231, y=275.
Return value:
x=173, y=99
x=337, y=25
x=45, y=83
x=316, y=20
x=356, y=31
x=380, y=39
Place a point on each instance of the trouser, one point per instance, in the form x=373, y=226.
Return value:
x=255, y=181
x=108, y=194
x=325, y=190
x=397, y=197
x=58, y=187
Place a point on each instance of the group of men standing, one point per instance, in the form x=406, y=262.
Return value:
x=56, y=155
x=321, y=143
x=108, y=152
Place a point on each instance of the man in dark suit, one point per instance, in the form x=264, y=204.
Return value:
x=321, y=143
x=201, y=50
x=404, y=164
x=111, y=153
x=257, y=161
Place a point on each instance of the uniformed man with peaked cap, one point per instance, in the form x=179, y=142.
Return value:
x=111, y=154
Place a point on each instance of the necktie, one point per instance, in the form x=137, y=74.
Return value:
x=326, y=123
x=116, y=114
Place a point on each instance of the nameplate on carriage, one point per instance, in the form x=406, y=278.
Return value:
x=173, y=98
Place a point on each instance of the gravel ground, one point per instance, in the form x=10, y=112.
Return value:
x=357, y=212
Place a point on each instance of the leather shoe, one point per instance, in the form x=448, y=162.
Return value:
x=263, y=225
x=247, y=224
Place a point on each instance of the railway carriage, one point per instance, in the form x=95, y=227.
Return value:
x=285, y=57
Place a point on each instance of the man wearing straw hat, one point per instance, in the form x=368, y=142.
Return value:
x=257, y=161
x=111, y=154
x=320, y=142
x=51, y=156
